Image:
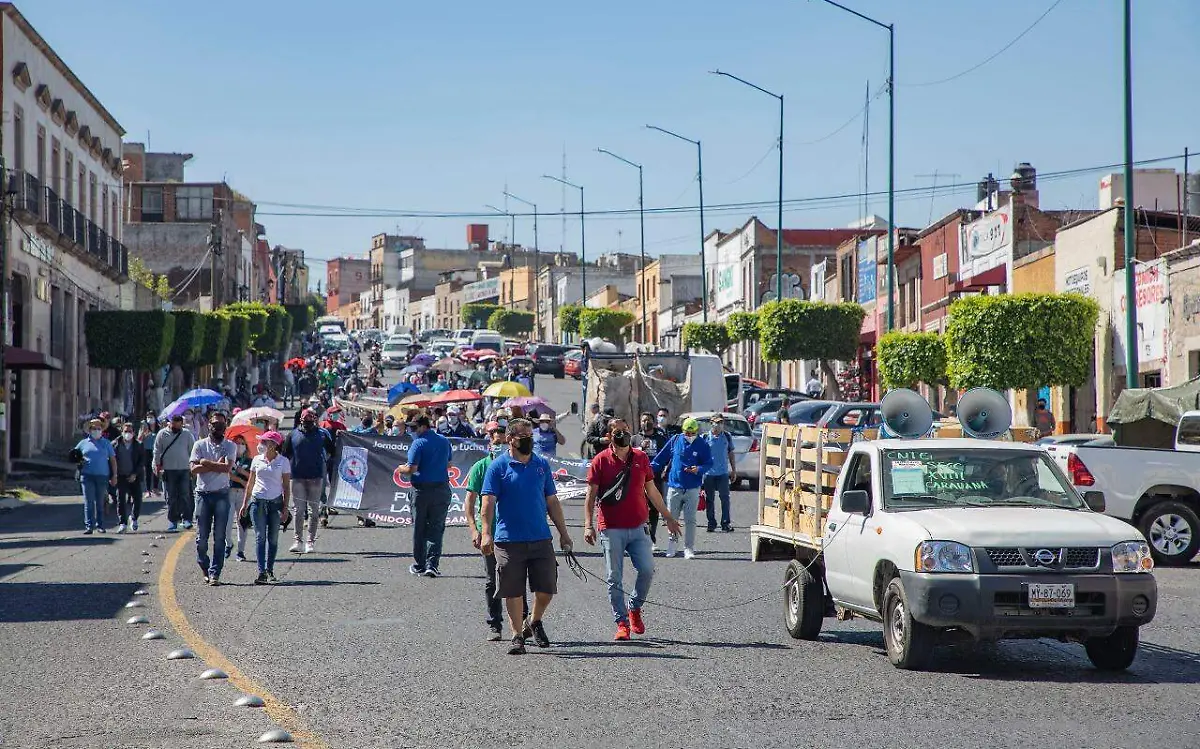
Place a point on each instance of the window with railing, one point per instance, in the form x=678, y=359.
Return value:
x=193, y=203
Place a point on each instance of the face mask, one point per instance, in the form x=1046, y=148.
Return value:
x=662, y=420
x=127, y=436
x=308, y=426
x=496, y=449
x=525, y=445
x=262, y=449
x=95, y=433
x=453, y=419
x=621, y=438
x=688, y=438
x=544, y=427
x=217, y=433
x=241, y=449
x=502, y=422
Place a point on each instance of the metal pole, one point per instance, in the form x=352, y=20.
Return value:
x=582, y=248
x=779, y=238
x=537, y=296
x=642, y=223
x=703, y=264
x=1131, y=356
x=891, y=256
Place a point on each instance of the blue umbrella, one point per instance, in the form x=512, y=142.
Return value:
x=413, y=369
x=399, y=390
x=191, y=399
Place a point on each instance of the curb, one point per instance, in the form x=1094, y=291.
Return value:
x=11, y=503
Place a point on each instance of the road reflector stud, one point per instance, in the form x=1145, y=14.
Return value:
x=180, y=655
x=141, y=592
x=154, y=634
x=134, y=605
x=137, y=620
x=250, y=700
x=145, y=553
x=214, y=673
x=160, y=537
x=275, y=736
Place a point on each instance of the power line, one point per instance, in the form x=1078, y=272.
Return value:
x=1002, y=50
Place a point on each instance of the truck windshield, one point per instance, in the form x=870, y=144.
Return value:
x=974, y=477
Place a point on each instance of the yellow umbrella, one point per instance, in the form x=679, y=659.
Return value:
x=506, y=389
x=401, y=410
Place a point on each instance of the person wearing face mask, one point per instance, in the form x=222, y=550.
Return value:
x=664, y=422
x=147, y=433
x=239, y=478
x=687, y=458
x=389, y=426
x=455, y=426
x=547, y=438
x=131, y=464
x=721, y=475
x=266, y=499
x=621, y=478
x=172, y=452
x=518, y=493
x=650, y=440
x=428, y=469
x=308, y=448
x=597, y=434
x=474, y=509
x=440, y=386
x=97, y=471
x=212, y=461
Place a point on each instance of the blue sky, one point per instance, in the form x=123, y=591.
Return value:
x=439, y=106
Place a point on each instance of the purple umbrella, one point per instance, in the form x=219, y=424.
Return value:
x=526, y=402
x=423, y=359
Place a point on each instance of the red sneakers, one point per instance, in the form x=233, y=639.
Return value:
x=622, y=631
x=636, y=623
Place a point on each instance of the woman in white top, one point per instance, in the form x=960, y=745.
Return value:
x=268, y=497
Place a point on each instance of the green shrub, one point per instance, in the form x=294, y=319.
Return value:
x=124, y=339
x=238, y=341
x=568, y=318
x=793, y=330
x=189, y=338
x=710, y=336
x=511, y=322
x=743, y=326
x=476, y=314
x=602, y=322
x=216, y=333
x=905, y=359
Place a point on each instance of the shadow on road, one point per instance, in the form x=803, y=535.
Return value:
x=57, y=517
x=323, y=583
x=49, y=602
x=41, y=543
x=8, y=570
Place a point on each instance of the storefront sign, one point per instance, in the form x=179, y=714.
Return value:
x=729, y=273
x=1079, y=281
x=1151, y=288
x=986, y=243
x=868, y=271
x=481, y=290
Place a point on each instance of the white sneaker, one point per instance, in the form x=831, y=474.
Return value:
x=689, y=554
x=295, y=547
x=121, y=528
x=670, y=548
x=308, y=547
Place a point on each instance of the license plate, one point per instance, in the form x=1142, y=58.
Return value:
x=1051, y=596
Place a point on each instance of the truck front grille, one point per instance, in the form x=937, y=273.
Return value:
x=1082, y=557
x=1016, y=603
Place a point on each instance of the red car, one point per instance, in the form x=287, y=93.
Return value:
x=573, y=364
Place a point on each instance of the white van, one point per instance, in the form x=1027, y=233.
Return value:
x=488, y=339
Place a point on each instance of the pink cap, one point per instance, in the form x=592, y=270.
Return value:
x=272, y=436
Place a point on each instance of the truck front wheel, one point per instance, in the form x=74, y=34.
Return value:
x=1115, y=652
x=909, y=642
x=1173, y=532
x=803, y=602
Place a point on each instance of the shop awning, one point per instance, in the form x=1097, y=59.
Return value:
x=997, y=276
x=22, y=358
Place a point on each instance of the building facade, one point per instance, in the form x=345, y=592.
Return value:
x=345, y=279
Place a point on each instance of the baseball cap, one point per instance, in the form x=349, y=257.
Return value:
x=308, y=412
x=717, y=419
x=691, y=425
x=272, y=436
x=453, y=410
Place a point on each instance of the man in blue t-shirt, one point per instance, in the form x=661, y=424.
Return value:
x=723, y=472
x=97, y=471
x=519, y=489
x=428, y=468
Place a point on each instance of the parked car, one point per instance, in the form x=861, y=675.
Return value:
x=463, y=336
x=746, y=454
x=1054, y=443
x=755, y=394
x=442, y=347
x=808, y=412
x=548, y=358
x=433, y=334
x=761, y=407
x=573, y=364
x=394, y=354
x=515, y=348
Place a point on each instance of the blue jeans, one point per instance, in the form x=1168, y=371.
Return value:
x=95, y=489
x=682, y=504
x=714, y=486
x=265, y=514
x=430, y=504
x=212, y=519
x=616, y=542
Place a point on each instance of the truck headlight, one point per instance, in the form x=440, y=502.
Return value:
x=944, y=556
x=1131, y=556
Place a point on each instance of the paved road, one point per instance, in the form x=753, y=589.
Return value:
x=368, y=656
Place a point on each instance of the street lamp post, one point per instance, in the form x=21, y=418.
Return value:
x=700, y=179
x=1131, y=348
x=508, y=252
x=642, y=225
x=536, y=259
x=891, y=251
x=582, y=235
x=779, y=219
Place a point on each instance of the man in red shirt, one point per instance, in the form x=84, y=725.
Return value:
x=621, y=479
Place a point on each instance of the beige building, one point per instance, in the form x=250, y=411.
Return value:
x=517, y=288
x=448, y=305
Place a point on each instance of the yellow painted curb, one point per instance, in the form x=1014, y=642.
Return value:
x=284, y=716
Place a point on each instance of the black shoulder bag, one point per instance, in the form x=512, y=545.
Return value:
x=616, y=491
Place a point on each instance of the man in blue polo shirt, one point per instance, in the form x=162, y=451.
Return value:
x=686, y=458
x=519, y=489
x=97, y=471
x=428, y=468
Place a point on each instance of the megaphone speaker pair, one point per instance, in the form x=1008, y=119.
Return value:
x=984, y=413
x=906, y=414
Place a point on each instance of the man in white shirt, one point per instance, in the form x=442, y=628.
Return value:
x=211, y=461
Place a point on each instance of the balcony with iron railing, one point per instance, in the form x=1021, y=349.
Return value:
x=52, y=214
x=27, y=194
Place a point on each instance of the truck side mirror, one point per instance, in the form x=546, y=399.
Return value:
x=1094, y=501
x=574, y=407
x=856, y=502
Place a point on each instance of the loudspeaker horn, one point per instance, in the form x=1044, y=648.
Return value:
x=984, y=413
x=905, y=414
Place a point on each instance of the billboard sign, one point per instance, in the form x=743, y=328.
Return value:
x=986, y=243
x=868, y=271
x=1151, y=288
x=481, y=290
x=729, y=274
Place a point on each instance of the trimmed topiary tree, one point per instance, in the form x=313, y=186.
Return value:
x=710, y=336
x=124, y=339
x=906, y=359
x=302, y=316
x=1020, y=341
x=216, y=333
x=602, y=322
x=238, y=341
x=793, y=330
x=568, y=318
x=511, y=322
x=476, y=314
x=188, y=340
x=743, y=326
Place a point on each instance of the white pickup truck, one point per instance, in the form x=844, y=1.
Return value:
x=1158, y=491
x=949, y=538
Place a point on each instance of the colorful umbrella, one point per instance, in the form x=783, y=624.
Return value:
x=416, y=399
x=506, y=389
x=448, y=365
x=526, y=402
x=413, y=369
x=401, y=389
x=295, y=363
x=254, y=414
x=456, y=396
x=191, y=399
x=425, y=359
x=400, y=411
x=470, y=355
x=248, y=432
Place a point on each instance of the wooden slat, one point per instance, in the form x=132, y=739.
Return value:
x=810, y=478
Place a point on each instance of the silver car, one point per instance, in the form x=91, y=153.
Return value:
x=746, y=454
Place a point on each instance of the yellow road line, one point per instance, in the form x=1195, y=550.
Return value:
x=286, y=717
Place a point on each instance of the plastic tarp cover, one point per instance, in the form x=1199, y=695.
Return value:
x=1161, y=404
x=635, y=385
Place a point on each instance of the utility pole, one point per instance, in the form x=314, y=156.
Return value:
x=642, y=224
x=4, y=291
x=700, y=179
x=536, y=261
x=1131, y=348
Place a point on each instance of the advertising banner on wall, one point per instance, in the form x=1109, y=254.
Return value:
x=817, y=281
x=489, y=288
x=1151, y=288
x=868, y=271
x=366, y=481
x=986, y=243
x=729, y=274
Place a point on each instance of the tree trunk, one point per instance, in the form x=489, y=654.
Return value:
x=832, y=388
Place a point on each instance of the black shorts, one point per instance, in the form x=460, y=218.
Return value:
x=518, y=561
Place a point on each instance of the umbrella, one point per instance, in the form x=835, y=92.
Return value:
x=413, y=369
x=191, y=399
x=253, y=414
x=470, y=354
x=455, y=396
x=416, y=399
x=295, y=363
x=526, y=402
x=401, y=389
x=505, y=389
x=248, y=432
x=524, y=361
x=425, y=359
x=400, y=411
x=448, y=365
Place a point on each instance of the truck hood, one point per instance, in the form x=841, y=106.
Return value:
x=1022, y=526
